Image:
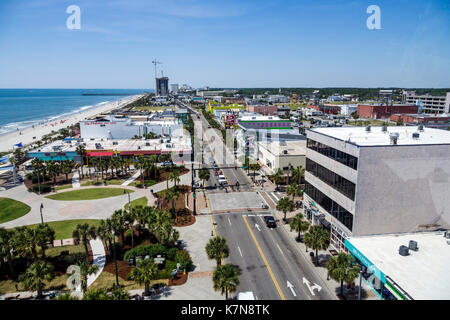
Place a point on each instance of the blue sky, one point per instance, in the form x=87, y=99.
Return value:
x=254, y=43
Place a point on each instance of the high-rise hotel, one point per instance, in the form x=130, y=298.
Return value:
x=364, y=181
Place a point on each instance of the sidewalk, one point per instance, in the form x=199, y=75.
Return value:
x=132, y=178
x=76, y=180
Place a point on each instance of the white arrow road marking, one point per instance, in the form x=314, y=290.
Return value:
x=257, y=227
x=311, y=288
x=290, y=286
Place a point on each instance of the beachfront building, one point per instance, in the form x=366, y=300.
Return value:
x=162, y=87
x=110, y=127
x=364, y=181
x=284, y=155
x=179, y=147
x=404, y=266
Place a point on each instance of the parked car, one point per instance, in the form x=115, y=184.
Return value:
x=270, y=221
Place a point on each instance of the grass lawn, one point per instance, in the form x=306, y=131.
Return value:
x=106, y=280
x=11, y=209
x=148, y=183
x=64, y=229
x=138, y=202
x=56, y=251
x=108, y=182
x=58, y=283
x=88, y=194
x=67, y=186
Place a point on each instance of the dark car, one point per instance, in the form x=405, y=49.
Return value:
x=270, y=221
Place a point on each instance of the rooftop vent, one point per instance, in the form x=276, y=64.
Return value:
x=384, y=128
x=415, y=135
x=413, y=245
x=115, y=143
x=403, y=251
x=420, y=127
x=368, y=129
x=447, y=234
x=147, y=144
x=394, y=137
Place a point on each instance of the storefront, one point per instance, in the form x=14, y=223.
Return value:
x=383, y=287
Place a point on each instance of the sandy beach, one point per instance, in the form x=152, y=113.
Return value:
x=30, y=135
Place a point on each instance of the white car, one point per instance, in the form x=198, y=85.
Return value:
x=221, y=178
x=246, y=296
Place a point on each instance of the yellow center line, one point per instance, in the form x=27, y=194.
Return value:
x=264, y=259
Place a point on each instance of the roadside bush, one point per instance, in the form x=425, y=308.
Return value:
x=62, y=261
x=44, y=188
x=171, y=253
x=183, y=258
x=163, y=274
x=151, y=249
x=170, y=265
x=139, y=185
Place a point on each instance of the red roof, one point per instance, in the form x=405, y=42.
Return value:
x=99, y=154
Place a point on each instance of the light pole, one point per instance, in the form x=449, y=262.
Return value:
x=115, y=259
x=360, y=278
x=42, y=207
x=289, y=174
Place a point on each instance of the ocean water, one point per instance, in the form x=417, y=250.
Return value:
x=22, y=108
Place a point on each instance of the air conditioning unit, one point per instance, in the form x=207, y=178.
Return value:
x=115, y=143
x=147, y=144
x=403, y=251
x=413, y=245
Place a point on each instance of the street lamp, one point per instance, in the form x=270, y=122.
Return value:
x=360, y=278
x=42, y=207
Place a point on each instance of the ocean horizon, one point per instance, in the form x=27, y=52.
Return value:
x=23, y=108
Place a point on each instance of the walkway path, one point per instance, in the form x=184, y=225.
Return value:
x=99, y=255
x=132, y=178
x=76, y=180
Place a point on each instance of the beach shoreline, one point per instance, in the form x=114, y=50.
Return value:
x=32, y=134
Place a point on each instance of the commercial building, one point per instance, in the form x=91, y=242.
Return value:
x=274, y=155
x=428, y=103
x=417, y=271
x=384, y=111
x=348, y=109
x=363, y=181
x=110, y=127
x=439, y=121
x=179, y=147
x=263, y=122
x=162, y=87
x=266, y=110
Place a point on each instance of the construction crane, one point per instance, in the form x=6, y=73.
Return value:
x=155, y=62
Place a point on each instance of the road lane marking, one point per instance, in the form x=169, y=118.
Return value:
x=275, y=196
x=257, y=227
x=265, y=260
x=280, y=248
x=290, y=286
x=240, y=251
x=229, y=221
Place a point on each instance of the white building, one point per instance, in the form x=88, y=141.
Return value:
x=283, y=154
x=174, y=88
x=363, y=182
x=421, y=274
x=348, y=109
x=111, y=128
x=431, y=104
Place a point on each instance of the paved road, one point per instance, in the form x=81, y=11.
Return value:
x=270, y=263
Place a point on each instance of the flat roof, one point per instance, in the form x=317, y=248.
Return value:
x=359, y=136
x=293, y=147
x=423, y=274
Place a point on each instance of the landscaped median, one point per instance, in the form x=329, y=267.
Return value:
x=88, y=194
x=11, y=209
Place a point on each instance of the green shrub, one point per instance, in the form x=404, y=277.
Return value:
x=163, y=274
x=170, y=265
x=183, y=258
x=171, y=253
x=151, y=249
x=44, y=188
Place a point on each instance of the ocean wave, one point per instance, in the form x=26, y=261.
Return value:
x=21, y=125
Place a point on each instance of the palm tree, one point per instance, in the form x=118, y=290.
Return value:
x=172, y=195
x=66, y=168
x=7, y=248
x=293, y=190
x=119, y=294
x=298, y=224
x=144, y=273
x=36, y=275
x=285, y=205
x=84, y=233
x=298, y=173
x=153, y=160
x=204, y=174
x=342, y=269
x=157, y=219
x=217, y=249
x=104, y=231
x=277, y=177
x=130, y=218
x=52, y=169
x=254, y=167
x=96, y=294
x=141, y=215
x=38, y=166
x=317, y=239
x=174, y=176
x=81, y=151
x=140, y=165
x=226, y=279
x=119, y=223
x=86, y=269
x=44, y=234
